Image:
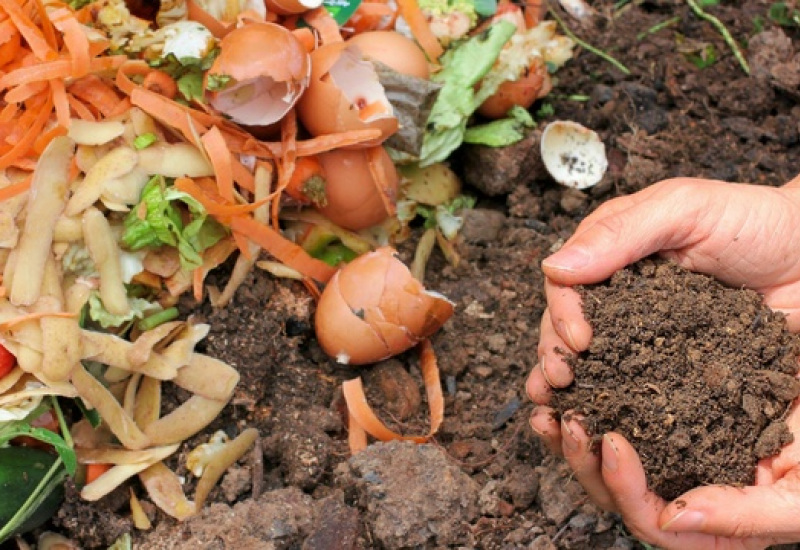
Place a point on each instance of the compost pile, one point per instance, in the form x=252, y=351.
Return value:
x=696, y=375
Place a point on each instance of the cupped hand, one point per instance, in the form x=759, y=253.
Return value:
x=745, y=236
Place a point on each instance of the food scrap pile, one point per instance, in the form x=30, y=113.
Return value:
x=141, y=148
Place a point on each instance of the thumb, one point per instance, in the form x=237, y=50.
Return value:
x=624, y=230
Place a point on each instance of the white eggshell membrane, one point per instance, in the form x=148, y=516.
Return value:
x=358, y=81
x=573, y=154
x=260, y=101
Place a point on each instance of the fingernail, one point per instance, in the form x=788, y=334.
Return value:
x=686, y=520
x=567, y=259
x=543, y=368
x=537, y=412
x=610, y=460
x=570, y=442
x=565, y=330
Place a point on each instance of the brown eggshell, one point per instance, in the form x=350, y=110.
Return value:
x=376, y=290
x=265, y=86
x=393, y=50
x=353, y=199
x=342, y=83
x=535, y=83
x=341, y=333
x=291, y=7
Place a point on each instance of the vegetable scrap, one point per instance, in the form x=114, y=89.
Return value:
x=140, y=151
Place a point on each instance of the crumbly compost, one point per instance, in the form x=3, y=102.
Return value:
x=696, y=375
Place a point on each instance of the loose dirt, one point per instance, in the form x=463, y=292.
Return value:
x=668, y=117
x=697, y=376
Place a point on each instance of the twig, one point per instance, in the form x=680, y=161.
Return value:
x=660, y=26
x=587, y=46
x=726, y=35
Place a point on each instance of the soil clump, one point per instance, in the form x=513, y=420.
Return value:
x=696, y=375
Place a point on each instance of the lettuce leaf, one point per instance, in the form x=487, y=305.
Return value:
x=503, y=132
x=463, y=67
x=158, y=220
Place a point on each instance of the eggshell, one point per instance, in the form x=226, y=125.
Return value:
x=574, y=155
x=374, y=308
x=535, y=83
x=291, y=7
x=343, y=85
x=353, y=199
x=393, y=50
x=266, y=85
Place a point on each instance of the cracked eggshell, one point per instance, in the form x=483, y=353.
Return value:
x=345, y=94
x=373, y=308
x=574, y=155
x=265, y=86
x=291, y=7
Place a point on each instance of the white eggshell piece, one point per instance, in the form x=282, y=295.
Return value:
x=573, y=154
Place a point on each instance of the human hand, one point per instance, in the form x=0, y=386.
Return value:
x=743, y=235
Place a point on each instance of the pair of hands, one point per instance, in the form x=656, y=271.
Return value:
x=744, y=235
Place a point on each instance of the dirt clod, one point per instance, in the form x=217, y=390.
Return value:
x=698, y=376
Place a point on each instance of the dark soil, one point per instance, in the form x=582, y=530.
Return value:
x=696, y=375
x=501, y=490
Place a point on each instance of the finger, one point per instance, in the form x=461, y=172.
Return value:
x=537, y=387
x=545, y=425
x=625, y=479
x=764, y=512
x=566, y=315
x=551, y=350
x=626, y=231
x=584, y=461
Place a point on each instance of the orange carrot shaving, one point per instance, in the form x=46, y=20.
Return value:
x=49, y=70
x=197, y=283
x=35, y=316
x=92, y=90
x=45, y=138
x=243, y=245
x=9, y=50
x=370, y=16
x=60, y=102
x=131, y=68
x=321, y=20
x=361, y=414
x=161, y=83
x=24, y=92
x=215, y=205
x=410, y=11
x=170, y=113
x=80, y=109
x=75, y=40
x=286, y=162
x=305, y=168
x=31, y=32
x=283, y=249
x=242, y=175
x=95, y=470
x=356, y=436
x=24, y=145
x=220, y=157
x=15, y=188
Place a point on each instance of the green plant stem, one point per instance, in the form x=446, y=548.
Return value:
x=587, y=46
x=723, y=30
x=62, y=422
x=655, y=28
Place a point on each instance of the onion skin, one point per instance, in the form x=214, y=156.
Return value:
x=373, y=308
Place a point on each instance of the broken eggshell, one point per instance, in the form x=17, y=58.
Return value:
x=373, y=308
x=573, y=154
x=258, y=90
x=345, y=94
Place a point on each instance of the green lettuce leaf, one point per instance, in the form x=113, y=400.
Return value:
x=157, y=220
x=139, y=308
x=503, y=132
x=463, y=67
